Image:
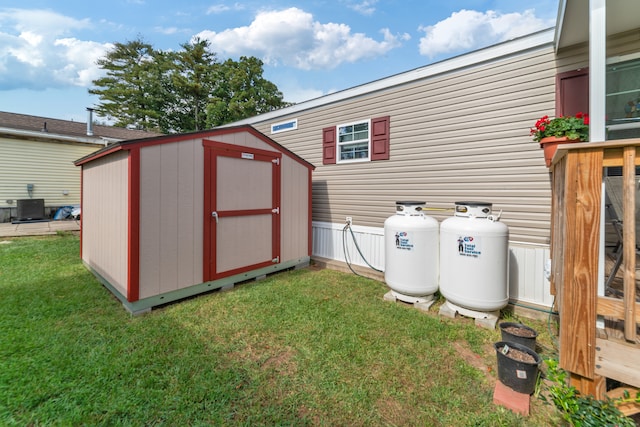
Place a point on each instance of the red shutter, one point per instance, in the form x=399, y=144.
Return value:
x=380, y=138
x=329, y=146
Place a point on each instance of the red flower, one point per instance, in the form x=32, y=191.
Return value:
x=585, y=119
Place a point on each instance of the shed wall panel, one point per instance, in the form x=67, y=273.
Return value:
x=104, y=218
x=49, y=166
x=295, y=215
x=171, y=213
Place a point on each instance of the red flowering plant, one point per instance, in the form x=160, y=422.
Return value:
x=573, y=127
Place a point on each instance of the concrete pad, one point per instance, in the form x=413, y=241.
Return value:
x=447, y=311
x=517, y=402
x=389, y=296
x=424, y=306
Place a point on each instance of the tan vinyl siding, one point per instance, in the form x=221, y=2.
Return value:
x=456, y=136
x=104, y=218
x=46, y=165
x=171, y=188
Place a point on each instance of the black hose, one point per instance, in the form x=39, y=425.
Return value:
x=346, y=252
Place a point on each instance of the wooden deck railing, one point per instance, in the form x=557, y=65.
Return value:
x=590, y=354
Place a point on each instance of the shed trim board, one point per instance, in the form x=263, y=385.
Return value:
x=149, y=164
x=211, y=133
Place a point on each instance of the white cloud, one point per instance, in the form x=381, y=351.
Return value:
x=81, y=57
x=218, y=8
x=169, y=30
x=293, y=38
x=469, y=29
x=365, y=7
x=221, y=8
x=34, y=52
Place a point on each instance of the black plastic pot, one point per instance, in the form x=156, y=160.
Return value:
x=527, y=338
x=518, y=375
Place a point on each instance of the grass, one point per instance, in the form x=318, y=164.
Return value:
x=306, y=347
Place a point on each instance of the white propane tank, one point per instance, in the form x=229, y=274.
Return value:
x=474, y=258
x=411, y=252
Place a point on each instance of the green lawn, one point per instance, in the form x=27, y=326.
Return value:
x=307, y=347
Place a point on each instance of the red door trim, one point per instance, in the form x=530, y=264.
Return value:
x=276, y=203
x=212, y=150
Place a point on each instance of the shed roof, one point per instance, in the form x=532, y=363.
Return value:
x=165, y=139
x=48, y=126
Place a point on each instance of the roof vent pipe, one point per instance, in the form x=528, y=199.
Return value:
x=89, y=121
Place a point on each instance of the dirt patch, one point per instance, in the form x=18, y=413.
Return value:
x=479, y=362
x=394, y=412
x=282, y=362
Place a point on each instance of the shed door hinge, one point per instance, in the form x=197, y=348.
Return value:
x=276, y=161
x=276, y=260
x=276, y=210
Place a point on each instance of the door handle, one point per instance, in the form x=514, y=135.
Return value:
x=214, y=214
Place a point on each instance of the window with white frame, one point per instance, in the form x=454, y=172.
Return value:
x=354, y=141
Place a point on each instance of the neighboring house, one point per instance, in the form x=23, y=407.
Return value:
x=459, y=130
x=37, y=155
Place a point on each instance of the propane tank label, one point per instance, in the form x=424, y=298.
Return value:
x=469, y=246
x=403, y=241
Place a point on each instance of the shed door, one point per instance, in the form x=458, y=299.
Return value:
x=242, y=209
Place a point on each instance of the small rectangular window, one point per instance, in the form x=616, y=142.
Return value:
x=354, y=142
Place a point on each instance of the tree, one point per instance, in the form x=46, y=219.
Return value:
x=242, y=92
x=194, y=79
x=181, y=91
x=132, y=92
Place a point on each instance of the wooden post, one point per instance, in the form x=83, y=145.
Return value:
x=580, y=275
x=596, y=387
x=629, y=241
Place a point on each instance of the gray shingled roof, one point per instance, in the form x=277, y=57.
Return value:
x=68, y=127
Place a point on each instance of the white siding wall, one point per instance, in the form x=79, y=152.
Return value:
x=48, y=166
x=527, y=281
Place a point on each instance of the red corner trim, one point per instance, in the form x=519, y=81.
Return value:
x=81, y=207
x=133, y=245
x=309, y=214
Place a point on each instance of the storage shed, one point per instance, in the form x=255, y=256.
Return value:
x=168, y=217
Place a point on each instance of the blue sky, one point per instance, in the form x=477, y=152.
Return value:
x=48, y=48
